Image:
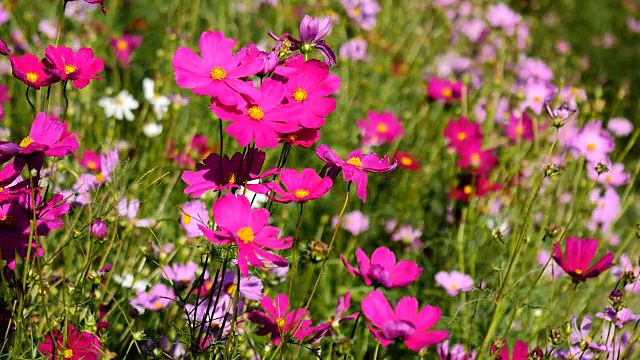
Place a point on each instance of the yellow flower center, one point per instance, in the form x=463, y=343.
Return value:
x=186, y=219
x=300, y=95
x=519, y=130
x=382, y=128
x=578, y=271
x=32, y=77
x=232, y=289
x=301, y=193
x=454, y=287
x=280, y=322
x=100, y=177
x=475, y=159
x=8, y=221
x=447, y=92
x=92, y=165
x=467, y=189
x=406, y=161
x=537, y=99
x=26, y=142
x=218, y=73
x=122, y=45
x=255, y=113
x=158, y=304
x=355, y=162
x=591, y=147
x=68, y=69
x=231, y=178
x=245, y=234
x=607, y=179
x=68, y=353
x=462, y=136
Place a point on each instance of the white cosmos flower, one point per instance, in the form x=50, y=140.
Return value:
x=128, y=281
x=160, y=103
x=152, y=129
x=120, y=106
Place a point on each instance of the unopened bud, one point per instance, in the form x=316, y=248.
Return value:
x=601, y=168
x=99, y=229
x=318, y=251
x=551, y=230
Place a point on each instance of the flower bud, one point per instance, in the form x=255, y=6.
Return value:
x=536, y=354
x=318, y=251
x=601, y=168
x=616, y=299
x=628, y=277
x=99, y=229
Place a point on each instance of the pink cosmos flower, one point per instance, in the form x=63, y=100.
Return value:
x=536, y=95
x=74, y=345
x=247, y=228
x=380, y=128
x=327, y=328
x=408, y=235
x=124, y=47
x=476, y=160
x=444, y=91
x=304, y=137
x=101, y=2
x=459, y=133
x=593, y=142
x=519, y=127
x=552, y=269
x=382, y=269
x=616, y=176
x=578, y=255
x=406, y=161
x=48, y=135
x=279, y=321
x=234, y=173
x=90, y=161
x=457, y=352
x=607, y=208
x=620, y=126
x=250, y=287
x=310, y=87
x=454, y=282
x=183, y=274
x=218, y=72
x=262, y=119
x=354, y=222
x=300, y=187
x=159, y=297
x=356, y=167
x=405, y=323
x=193, y=214
x=520, y=351
x=501, y=16
x=80, y=67
x=28, y=69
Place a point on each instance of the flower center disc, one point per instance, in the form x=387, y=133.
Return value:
x=300, y=95
x=255, y=113
x=355, y=162
x=382, y=128
x=218, y=73
x=68, y=69
x=32, y=77
x=245, y=234
x=26, y=142
x=301, y=193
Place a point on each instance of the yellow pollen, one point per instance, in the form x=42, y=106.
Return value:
x=406, y=161
x=92, y=165
x=475, y=159
x=280, y=322
x=1, y=189
x=462, y=136
x=255, y=113
x=68, y=353
x=382, y=128
x=100, y=177
x=158, y=304
x=447, y=92
x=8, y=220
x=467, y=190
x=300, y=95
x=26, y=142
x=578, y=271
x=454, y=287
x=186, y=219
x=231, y=178
x=245, y=234
x=218, y=73
x=32, y=77
x=122, y=45
x=607, y=179
x=591, y=147
x=301, y=193
x=519, y=130
x=68, y=69
x=355, y=162
x=537, y=99
x=232, y=289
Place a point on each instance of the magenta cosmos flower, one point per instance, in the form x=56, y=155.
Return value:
x=48, y=135
x=28, y=69
x=461, y=132
x=578, y=255
x=443, y=90
x=520, y=351
x=519, y=127
x=124, y=47
x=327, y=328
x=262, y=119
x=356, y=167
x=475, y=160
x=218, y=72
x=380, y=128
x=74, y=345
x=300, y=186
x=79, y=67
x=234, y=172
x=382, y=269
x=279, y=321
x=406, y=323
x=247, y=228
x=310, y=87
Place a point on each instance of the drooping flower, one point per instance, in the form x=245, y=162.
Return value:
x=218, y=72
x=79, y=67
x=380, y=128
x=193, y=214
x=382, y=268
x=406, y=322
x=28, y=69
x=124, y=47
x=119, y=107
x=312, y=32
x=454, y=282
x=247, y=228
x=328, y=328
x=299, y=186
x=356, y=167
x=578, y=255
x=71, y=344
x=279, y=321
